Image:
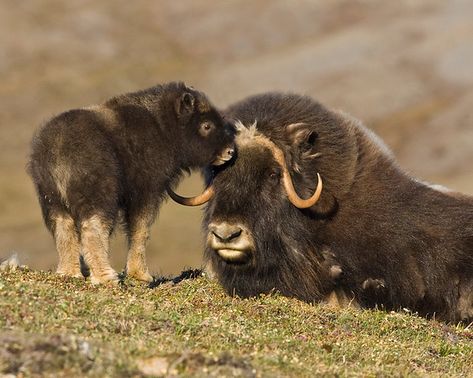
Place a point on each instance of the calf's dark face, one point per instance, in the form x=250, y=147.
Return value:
x=209, y=138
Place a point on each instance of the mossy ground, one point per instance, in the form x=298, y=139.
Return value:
x=58, y=326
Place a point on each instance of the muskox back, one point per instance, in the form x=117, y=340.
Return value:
x=377, y=236
x=63, y=156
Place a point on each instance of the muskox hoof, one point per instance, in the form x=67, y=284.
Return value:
x=70, y=272
x=140, y=275
x=373, y=284
x=335, y=272
x=109, y=277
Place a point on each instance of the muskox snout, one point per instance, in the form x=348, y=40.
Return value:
x=225, y=155
x=225, y=232
x=232, y=242
x=230, y=152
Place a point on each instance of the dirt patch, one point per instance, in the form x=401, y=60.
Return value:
x=23, y=354
x=197, y=365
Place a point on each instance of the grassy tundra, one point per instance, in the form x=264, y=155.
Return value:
x=66, y=327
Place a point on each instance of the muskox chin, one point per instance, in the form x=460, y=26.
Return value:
x=376, y=235
x=275, y=265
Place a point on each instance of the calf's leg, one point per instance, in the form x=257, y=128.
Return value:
x=137, y=240
x=95, y=234
x=67, y=245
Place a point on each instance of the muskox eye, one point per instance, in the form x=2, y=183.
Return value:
x=206, y=128
x=274, y=176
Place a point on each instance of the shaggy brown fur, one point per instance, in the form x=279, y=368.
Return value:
x=377, y=236
x=90, y=164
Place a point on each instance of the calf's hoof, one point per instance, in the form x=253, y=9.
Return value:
x=76, y=273
x=109, y=277
x=141, y=275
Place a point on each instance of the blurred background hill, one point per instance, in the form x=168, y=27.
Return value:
x=403, y=67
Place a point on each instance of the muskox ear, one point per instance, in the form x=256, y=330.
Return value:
x=301, y=136
x=185, y=104
x=302, y=139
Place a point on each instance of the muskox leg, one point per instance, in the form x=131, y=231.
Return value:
x=67, y=245
x=465, y=301
x=339, y=299
x=137, y=240
x=373, y=292
x=95, y=234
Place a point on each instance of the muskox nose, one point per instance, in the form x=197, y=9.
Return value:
x=231, y=242
x=225, y=232
x=230, y=152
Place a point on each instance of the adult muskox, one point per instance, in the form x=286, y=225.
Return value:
x=374, y=236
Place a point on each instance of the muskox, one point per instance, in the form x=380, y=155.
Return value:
x=363, y=232
x=91, y=165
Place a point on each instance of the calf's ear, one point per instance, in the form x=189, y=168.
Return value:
x=185, y=104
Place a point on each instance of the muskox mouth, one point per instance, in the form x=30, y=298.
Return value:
x=232, y=242
x=233, y=256
x=224, y=156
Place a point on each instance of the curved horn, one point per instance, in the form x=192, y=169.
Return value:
x=287, y=181
x=192, y=201
x=294, y=197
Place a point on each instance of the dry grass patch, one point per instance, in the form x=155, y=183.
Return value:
x=194, y=329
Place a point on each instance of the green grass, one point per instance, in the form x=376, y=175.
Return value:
x=58, y=326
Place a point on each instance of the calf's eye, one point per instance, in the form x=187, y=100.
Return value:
x=205, y=128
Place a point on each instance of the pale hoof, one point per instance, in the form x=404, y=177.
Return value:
x=70, y=273
x=140, y=275
x=109, y=277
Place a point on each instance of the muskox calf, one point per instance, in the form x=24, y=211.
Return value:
x=315, y=206
x=88, y=165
